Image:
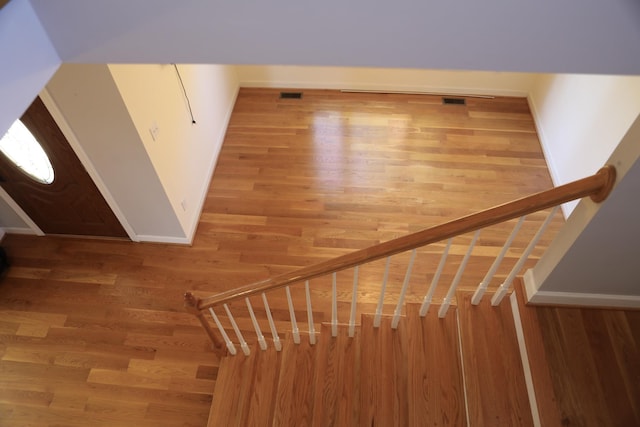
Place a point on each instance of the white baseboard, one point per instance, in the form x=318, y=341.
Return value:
x=20, y=230
x=524, y=357
x=141, y=238
x=535, y=296
x=30, y=226
x=464, y=381
x=214, y=161
x=164, y=239
x=545, y=143
x=378, y=87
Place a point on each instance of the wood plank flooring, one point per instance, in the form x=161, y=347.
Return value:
x=594, y=361
x=95, y=330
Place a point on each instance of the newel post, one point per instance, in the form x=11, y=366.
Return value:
x=191, y=305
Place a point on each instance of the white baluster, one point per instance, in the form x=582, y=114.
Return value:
x=334, y=307
x=354, y=302
x=376, y=319
x=482, y=287
x=312, y=329
x=426, y=302
x=274, y=333
x=234, y=325
x=294, y=325
x=225, y=337
x=502, y=290
x=256, y=326
x=452, y=289
x=405, y=285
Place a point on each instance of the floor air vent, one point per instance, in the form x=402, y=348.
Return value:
x=290, y=95
x=454, y=101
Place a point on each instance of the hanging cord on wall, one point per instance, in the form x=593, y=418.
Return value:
x=193, y=121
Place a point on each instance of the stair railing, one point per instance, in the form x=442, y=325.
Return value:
x=597, y=187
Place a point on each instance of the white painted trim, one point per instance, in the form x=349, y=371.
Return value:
x=524, y=356
x=545, y=143
x=536, y=296
x=379, y=87
x=20, y=230
x=212, y=166
x=33, y=227
x=2, y=234
x=164, y=239
x=530, y=285
x=464, y=377
x=61, y=121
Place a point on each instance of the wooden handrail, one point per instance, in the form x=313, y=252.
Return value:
x=596, y=186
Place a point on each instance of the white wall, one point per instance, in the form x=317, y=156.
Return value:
x=28, y=61
x=581, y=119
x=594, y=259
x=387, y=79
x=88, y=99
x=156, y=188
x=183, y=154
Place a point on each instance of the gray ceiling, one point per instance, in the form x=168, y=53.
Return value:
x=583, y=36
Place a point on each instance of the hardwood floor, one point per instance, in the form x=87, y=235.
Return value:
x=594, y=360
x=94, y=331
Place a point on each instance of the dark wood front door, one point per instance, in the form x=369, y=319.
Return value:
x=71, y=204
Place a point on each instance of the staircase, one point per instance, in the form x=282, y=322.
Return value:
x=414, y=375
x=463, y=362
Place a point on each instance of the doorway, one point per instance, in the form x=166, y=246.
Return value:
x=50, y=183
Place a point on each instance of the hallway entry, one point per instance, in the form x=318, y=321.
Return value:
x=60, y=197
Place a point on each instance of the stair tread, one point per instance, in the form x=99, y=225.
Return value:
x=294, y=396
x=496, y=390
x=232, y=389
x=410, y=376
x=337, y=389
x=244, y=388
x=434, y=371
x=383, y=374
x=265, y=378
